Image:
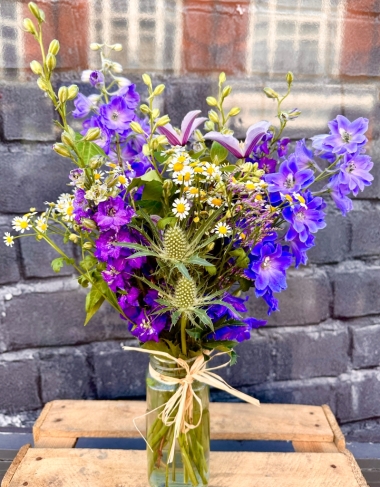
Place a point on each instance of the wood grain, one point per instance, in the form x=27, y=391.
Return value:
x=339, y=439
x=237, y=421
x=7, y=479
x=315, y=447
x=121, y=468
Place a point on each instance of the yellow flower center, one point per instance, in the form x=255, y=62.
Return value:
x=210, y=170
x=216, y=201
x=23, y=224
x=243, y=236
x=122, y=179
x=181, y=208
x=193, y=191
x=187, y=177
x=181, y=159
x=258, y=197
x=250, y=186
x=198, y=170
x=96, y=176
x=70, y=210
x=178, y=166
x=42, y=226
x=9, y=239
x=223, y=230
x=196, y=219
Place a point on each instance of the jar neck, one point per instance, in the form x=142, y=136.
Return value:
x=169, y=367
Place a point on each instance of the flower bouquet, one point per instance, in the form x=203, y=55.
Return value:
x=173, y=225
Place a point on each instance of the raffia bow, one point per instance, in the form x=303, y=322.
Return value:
x=179, y=409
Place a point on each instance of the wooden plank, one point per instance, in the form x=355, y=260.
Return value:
x=55, y=442
x=122, y=468
x=315, y=447
x=238, y=421
x=339, y=439
x=8, y=477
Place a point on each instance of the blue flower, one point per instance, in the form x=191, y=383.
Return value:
x=290, y=178
x=116, y=115
x=299, y=249
x=305, y=218
x=97, y=79
x=113, y=213
x=338, y=193
x=237, y=333
x=83, y=105
x=354, y=172
x=304, y=156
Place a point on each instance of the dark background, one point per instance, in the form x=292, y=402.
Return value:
x=324, y=346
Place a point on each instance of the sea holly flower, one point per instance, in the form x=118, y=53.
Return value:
x=188, y=125
x=345, y=136
x=116, y=115
x=289, y=179
x=9, y=240
x=354, y=172
x=84, y=105
x=241, y=150
x=305, y=217
x=113, y=213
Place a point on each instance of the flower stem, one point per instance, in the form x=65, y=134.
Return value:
x=183, y=334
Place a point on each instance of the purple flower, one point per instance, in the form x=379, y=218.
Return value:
x=237, y=333
x=267, y=165
x=345, y=136
x=299, y=249
x=289, y=179
x=113, y=213
x=338, y=193
x=80, y=204
x=150, y=297
x=83, y=105
x=282, y=146
x=116, y=115
x=267, y=296
x=305, y=218
x=188, y=125
x=130, y=95
x=304, y=156
x=268, y=264
x=105, y=247
x=216, y=311
x=114, y=274
x=148, y=327
x=254, y=135
x=97, y=79
x=354, y=172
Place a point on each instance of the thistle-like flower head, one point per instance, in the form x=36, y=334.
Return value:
x=175, y=243
x=185, y=293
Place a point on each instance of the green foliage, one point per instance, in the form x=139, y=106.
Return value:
x=59, y=262
x=218, y=153
x=87, y=150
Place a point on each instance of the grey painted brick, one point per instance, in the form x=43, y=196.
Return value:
x=19, y=385
x=365, y=342
x=42, y=319
x=362, y=431
x=357, y=395
x=118, y=373
x=365, y=222
x=9, y=271
x=307, y=352
x=27, y=114
x=356, y=291
x=373, y=191
x=35, y=174
x=38, y=254
x=65, y=374
x=332, y=242
x=306, y=301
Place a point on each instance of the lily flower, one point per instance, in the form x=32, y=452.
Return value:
x=188, y=125
x=239, y=149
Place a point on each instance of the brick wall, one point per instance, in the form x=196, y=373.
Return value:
x=324, y=346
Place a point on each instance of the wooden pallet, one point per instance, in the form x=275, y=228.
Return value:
x=321, y=459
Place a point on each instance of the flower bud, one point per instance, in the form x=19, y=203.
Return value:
x=158, y=90
x=97, y=161
x=146, y=150
x=54, y=47
x=116, y=67
x=94, y=46
x=51, y=61
x=270, y=93
x=36, y=67
x=155, y=113
x=289, y=77
x=213, y=116
x=145, y=109
x=234, y=111
x=36, y=12
x=63, y=94
x=154, y=144
x=88, y=223
x=226, y=91
x=67, y=140
x=72, y=92
x=209, y=126
x=222, y=78
x=42, y=84
x=210, y=100
x=87, y=245
x=29, y=27
x=147, y=80
x=162, y=121
x=73, y=237
x=116, y=47
x=92, y=134
x=61, y=150
x=161, y=140
x=136, y=127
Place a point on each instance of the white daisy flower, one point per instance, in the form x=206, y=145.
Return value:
x=211, y=171
x=122, y=180
x=215, y=201
x=98, y=175
x=250, y=186
x=178, y=162
x=20, y=224
x=181, y=208
x=222, y=230
x=41, y=224
x=185, y=176
x=62, y=202
x=8, y=239
x=193, y=192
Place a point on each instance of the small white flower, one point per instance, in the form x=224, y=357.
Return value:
x=123, y=181
x=181, y=208
x=211, y=171
x=185, y=176
x=20, y=224
x=8, y=239
x=98, y=175
x=250, y=186
x=97, y=193
x=41, y=224
x=179, y=161
x=215, y=201
x=222, y=229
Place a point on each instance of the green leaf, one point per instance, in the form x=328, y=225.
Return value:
x=183, y=270
x=218, y=153
x=227, y=305
x=94, y=300
x=87, y=150
x=88, y=262
x=203, y=316
x=195, y=333
x=159, y=346
x=57, y=264
x=169, y=220
x=229, y=168
x=161, y=159
x=234, y=357
x=195, y=259
x=145, y=253
x=175, y=317
x=130, y=245
x=93, y=310
x=83, y=281
x=152, y=191
x=152, y=207
x=151, y=176
x=245, y=284
x=224, y=345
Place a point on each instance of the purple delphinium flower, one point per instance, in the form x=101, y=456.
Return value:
x=116, y=115
x=237, y=333
x=289, y=179
x=267, y=266
x=354, y=172
x=114, y=274
x=216, y=311
x=188, y=125
x=255, y=133
x=338, y=193
x=305, y=218
x=267, y=165
x=130, y=95
x=97, y=79
x=345, y=136
x=148, y=327
x=150, y=297
x=113, y=213
x=303, y=155
x=105, y=247
x=80, y=204
x=299, y=249
x=83, y=105
x=282, y=146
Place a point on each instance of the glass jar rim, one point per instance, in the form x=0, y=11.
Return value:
x=167, y=365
